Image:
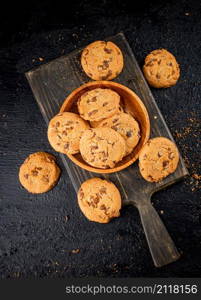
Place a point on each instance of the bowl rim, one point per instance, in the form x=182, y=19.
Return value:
x=136, y=97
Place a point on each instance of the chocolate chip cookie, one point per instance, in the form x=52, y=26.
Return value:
x=65, y=131
x=102, y=60
x=127, y=126
x=161, y=69
x=98, y=104
x=102, y=147
x=39, y=173
x=99, y=200
x=158, y=158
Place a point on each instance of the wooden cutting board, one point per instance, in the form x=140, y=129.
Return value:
x=52, y=82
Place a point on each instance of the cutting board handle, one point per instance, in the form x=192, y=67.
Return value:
x=161, y=245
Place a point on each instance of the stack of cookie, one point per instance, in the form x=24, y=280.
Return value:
x=102, y=132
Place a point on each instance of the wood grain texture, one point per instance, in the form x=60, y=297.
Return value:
x=51, y=83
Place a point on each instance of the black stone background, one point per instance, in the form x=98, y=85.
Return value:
x=39, y=232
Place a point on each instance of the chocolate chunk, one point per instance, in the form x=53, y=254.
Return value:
x=93, y=99
x=26, y=176
x=95, y=199
x=50, y=159
x=92, y=112
x=81, y=194
x=171, y=155
x=57, y=124
x=149, y=64
x=94, y=147
x=160, y=154
x=159, y=62
x=165, y=163
x=93, y=204
x=105, y=103
x=107, y=75
x=104, y=154
x=66, y=146
x=103, y=190
x=100, y=67
x=107, y=50
x=34, y=173
x=129, y=133
x=105, y=65
x=85, y=52
x=46, y=178
x=69, y=122
x=169, y=63
x=103, y=207
x=64, y=132
x=150, y=177
x=104, y=77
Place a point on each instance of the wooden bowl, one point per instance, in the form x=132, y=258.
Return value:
x=131, y=103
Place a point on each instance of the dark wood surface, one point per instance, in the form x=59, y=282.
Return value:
x=39, y=232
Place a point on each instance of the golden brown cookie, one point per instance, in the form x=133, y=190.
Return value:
x=161, y=69
x=99, y=200
x=98, y=104
x=127, y=126
x=64, y=132
x=102, y=147
x=95, y=124
x=158, y=158
x=39, y=173
x=102, y=60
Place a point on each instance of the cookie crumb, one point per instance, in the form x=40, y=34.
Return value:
x=66, y=218
x=196, y=176
x=75, y=251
